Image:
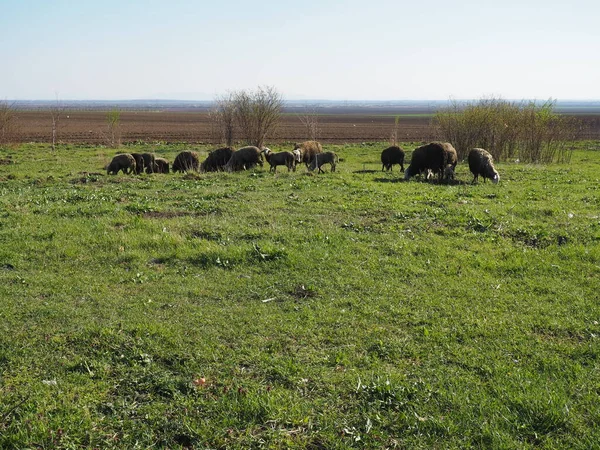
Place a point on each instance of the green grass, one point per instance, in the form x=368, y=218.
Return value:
x=344, y=310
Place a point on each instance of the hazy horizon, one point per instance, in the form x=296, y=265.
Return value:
x=316, y=50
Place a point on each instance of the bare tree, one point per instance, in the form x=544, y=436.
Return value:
x=222, y=117
x=56, y=111
x=7, y=120
x=310, y=120
x=257, y=113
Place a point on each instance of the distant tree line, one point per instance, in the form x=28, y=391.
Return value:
x=526, y=131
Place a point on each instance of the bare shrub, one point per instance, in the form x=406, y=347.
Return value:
x=394, y=134
x=56, y=111
x=222, y=117
x=529, y=132
x=310, y=120
x=257, y=113
x=7, y=121
x=113, y=128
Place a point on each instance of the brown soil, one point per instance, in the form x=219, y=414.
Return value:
x=168, y=126
x=90, y=127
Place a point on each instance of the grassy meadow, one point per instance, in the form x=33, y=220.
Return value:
x=339, y=310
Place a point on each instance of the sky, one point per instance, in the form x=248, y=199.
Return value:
x=310, y=49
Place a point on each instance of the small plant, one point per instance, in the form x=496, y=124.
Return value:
x=310, y=120
x=395, y=130
x=113, y=121
x=7, y=121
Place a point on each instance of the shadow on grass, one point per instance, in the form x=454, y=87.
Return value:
x=402, y=180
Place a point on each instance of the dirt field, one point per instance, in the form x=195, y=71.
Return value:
x=188, y=126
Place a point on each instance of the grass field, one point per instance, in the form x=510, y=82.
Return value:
x=341, y=310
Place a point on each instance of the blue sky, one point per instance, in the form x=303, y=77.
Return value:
x=340, y=50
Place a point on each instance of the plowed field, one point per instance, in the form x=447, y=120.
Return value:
x=91, y=127
x=188, y=126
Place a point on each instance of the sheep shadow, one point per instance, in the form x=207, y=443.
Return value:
x=366, y=171
x=435, y=182
x=389, y=180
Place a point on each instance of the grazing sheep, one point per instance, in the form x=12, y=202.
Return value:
x=243, y=159
x=450, y=160
x=280, y=159
x=149, y=162
x=481, y=163
x=139, y=162
x=161, y=165
x=308, y=150
x=124, y=162
x=186, y=161
x=390, y=156
x=324, y=158
x=437, y=157
x=216, y=160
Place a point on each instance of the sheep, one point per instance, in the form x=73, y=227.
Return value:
x=124, y=162
x=139, y=162
x=216, y=160
x=437, y=157
x=244, y=158
x=450, y=161
x=280, y=159
x=390, y=156
x=161, y=165
x=481, y=163
x=186, y=161
x=149, y=162
x=308, y=150
x=324, y=158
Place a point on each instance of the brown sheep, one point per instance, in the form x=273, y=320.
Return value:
x=390, y=156
x=308, y=150
x=244, y=158
x=280, y=159
x=139, y=162
x=324, y=158
x=450, y=160
x=161, y=165
x=481, y=163
x=435, y=158
x=216, y=160
x=149, y=162
x=185, y=162
x=124, y=162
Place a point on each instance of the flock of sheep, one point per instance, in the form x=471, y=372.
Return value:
x=434, y=159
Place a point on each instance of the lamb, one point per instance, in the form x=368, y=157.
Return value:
x=437, y=157
x=124, y=162
x=139, y=162
x=161, y=165
x=243, y=159
x=280, y=159
x=186, y=161
x=149, y=162
x=308, y=150
x=481, y=163
x=216, y=160
x=324, y=158
x=390, y=156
